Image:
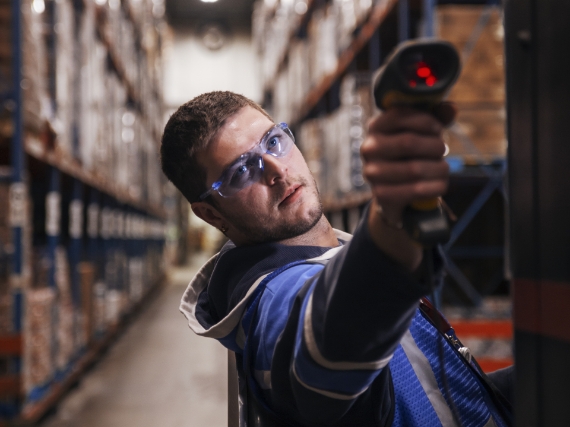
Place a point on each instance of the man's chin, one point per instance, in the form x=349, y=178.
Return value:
x=296, y=227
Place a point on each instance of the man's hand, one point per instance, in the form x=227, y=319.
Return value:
x=403, y=162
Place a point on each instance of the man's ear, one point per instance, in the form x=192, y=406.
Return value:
x=208, y=213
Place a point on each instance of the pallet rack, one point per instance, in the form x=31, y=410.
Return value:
x=79, y=232
x=476, y=192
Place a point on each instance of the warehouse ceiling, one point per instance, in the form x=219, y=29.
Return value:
x=193, y=14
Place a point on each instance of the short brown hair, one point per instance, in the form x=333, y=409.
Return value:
x=190, y=130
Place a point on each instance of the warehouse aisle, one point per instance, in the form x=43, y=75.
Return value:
x=157, y=374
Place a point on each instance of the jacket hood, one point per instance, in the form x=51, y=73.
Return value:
x=217, y=296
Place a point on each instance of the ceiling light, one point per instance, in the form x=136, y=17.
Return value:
x=208, y=1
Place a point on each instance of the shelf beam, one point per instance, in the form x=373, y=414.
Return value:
x=73, y=168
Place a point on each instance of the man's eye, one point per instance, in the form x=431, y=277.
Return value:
x=240, y=171
x=273, y=144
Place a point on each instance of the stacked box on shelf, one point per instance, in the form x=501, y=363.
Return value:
x=33, y=70
x=480, y=90
x=92, y=94
x=272, y=27
x=63, y=74
x=323, y=43
x=117, y=97
x=66, y=345
x=299, y=81
x=39, y=336
x=331, y=144
x=350, y=14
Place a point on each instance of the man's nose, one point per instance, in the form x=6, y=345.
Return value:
x=274, y=169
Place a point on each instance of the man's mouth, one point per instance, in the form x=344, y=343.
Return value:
x=291, y=195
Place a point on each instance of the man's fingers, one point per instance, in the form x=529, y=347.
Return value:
x=405, y=119
x=405, y=172
x=402, y=146
x=403, y=156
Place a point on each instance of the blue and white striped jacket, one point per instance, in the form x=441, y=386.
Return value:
x=334, y=336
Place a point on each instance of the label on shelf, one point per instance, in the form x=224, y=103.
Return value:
x=93, y=220
x=53, y=213
x=76, y=219
x=17, y=204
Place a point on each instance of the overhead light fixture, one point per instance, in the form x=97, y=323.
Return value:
x=208, y=1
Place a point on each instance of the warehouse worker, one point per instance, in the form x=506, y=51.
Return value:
x=325, y=326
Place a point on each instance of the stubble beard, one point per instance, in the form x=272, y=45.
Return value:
x=262, y=230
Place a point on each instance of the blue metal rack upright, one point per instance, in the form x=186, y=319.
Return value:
x=17, y=193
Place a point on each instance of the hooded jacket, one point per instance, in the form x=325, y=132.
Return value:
x=333, y=336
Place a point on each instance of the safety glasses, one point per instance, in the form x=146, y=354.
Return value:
x=248, y=168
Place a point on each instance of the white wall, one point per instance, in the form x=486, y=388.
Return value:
x=192, y=69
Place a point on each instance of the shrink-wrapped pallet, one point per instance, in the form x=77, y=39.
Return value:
x=92, y=65
x=38, y=337
x=64, y=71
x=65, y=329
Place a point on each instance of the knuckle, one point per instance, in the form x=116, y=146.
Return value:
x=370, y=146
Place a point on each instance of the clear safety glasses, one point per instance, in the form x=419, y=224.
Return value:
x=248, y=168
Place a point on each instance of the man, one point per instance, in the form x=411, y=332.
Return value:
x=325, y=326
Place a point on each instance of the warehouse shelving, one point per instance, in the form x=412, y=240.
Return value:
x=366, y=31
x=477, y=186
x=81, y=242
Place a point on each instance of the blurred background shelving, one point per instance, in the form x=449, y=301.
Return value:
x=85, y=208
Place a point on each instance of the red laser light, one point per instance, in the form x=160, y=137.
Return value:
x=423, y=72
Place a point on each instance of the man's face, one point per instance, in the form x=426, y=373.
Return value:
x=283, y=204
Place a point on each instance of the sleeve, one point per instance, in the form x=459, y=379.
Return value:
x=338, y=329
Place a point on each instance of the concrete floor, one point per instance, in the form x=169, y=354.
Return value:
x=157, y=374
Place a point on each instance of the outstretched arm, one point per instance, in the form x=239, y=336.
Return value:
x=356, y=311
